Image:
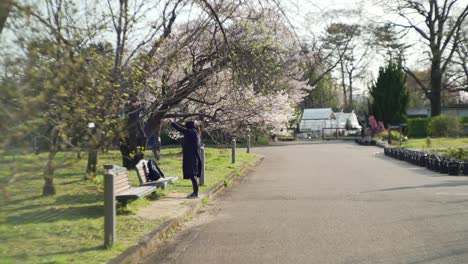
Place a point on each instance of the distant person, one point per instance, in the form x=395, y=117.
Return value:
x=191, y=161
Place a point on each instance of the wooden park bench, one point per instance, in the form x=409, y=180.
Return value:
x=142, y=173
x=123, y=191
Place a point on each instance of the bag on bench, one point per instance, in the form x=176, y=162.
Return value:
x=154, y=172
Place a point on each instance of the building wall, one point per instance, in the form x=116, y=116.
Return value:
x=313, y=125
x=455, y=111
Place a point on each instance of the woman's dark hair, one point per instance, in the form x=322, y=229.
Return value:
x=190, y=124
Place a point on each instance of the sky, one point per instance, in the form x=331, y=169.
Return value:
x=307, y=16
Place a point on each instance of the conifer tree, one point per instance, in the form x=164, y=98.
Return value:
x=389, y=96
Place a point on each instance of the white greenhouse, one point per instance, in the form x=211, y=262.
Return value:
x=315, y=121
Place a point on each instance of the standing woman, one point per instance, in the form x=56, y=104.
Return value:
x=191, y=154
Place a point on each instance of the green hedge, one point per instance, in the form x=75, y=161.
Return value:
x=444, y=126
x=286, y=138
x=262, y=139
x=464, y=120
x=417, y=127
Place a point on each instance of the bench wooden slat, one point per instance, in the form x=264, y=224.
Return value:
x=122, y=183
x=122, y=187
x=142, y=170
x=137, y=191
x=161, y=182
x=119, y=189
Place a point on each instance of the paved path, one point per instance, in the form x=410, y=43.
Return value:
x=329, y=203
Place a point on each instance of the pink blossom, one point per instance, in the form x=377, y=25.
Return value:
x=375, y=126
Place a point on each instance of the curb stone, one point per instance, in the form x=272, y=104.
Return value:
x=153, y=240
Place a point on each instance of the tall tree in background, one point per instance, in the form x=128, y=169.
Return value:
x=439, y=24
x=457, y=74
x=323, y=95
x=349, y=46
x=389, y=97
x=447, y=97
x=417, y=96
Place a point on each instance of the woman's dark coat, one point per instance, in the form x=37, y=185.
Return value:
x=191, y=162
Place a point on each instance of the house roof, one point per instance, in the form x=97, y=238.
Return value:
x=342, y=118
x=316, y=113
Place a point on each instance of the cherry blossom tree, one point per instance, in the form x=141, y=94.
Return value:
x=233, y=63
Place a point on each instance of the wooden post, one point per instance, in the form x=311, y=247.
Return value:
x=248, y=139
x=401, y=136
x=233, y=151
x=202, y=156
x=109, y=208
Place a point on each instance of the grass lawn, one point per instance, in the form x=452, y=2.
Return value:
x=450, y=147
x=437, y=143
x=68, y=227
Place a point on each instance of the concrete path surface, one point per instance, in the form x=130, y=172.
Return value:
x=331, y=202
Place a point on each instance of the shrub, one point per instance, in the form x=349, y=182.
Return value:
x=464, y=120
x=417, y=127
x=444, y=126
x=286, y=138
x=375, y=126
x=458, y=153
x=464, y=125
x=263, y=140
x=394, y=134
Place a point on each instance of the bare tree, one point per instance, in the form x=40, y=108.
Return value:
x=457, y=73
x=351, y=51
x=438, y=23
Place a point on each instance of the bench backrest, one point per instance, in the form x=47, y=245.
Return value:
x=121, y=180
x=142, y=170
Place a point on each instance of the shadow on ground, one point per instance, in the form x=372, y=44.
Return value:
x=54, y=214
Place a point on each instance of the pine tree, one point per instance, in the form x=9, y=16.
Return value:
x=389, y=96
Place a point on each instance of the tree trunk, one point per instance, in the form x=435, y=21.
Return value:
x=435, y=97
x=436, y=86
x=389, y=140
x=92, y=162
x=156, y=133
x=49, y=188
x=154, y=127
x=92, y=155
x=132, y=146
x=350, y=91
x=343, y=85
